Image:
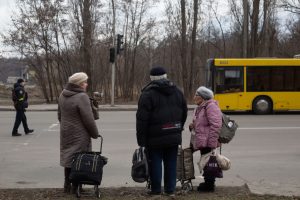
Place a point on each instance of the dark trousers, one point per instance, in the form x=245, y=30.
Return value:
x=20, y=117
x=207, y=178
x=67, y=174
x=169, y=158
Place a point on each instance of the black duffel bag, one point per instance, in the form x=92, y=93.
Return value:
x=87, y=168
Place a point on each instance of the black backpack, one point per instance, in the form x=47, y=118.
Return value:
x=13, y=95
x=140, y=169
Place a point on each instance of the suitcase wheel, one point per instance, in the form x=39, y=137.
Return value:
x=187, y=187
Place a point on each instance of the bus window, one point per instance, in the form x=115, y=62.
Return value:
x=229, y=79
x=260, y=79
x=297, y=79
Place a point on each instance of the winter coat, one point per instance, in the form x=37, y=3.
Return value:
x=207, y=121
x=19, y=97
x=161, y=114
x=77, y=124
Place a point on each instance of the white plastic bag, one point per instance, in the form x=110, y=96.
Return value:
x=223, y=162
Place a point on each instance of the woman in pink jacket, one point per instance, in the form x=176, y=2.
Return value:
x=207, y=122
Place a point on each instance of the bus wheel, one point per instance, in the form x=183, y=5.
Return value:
x=262, y=105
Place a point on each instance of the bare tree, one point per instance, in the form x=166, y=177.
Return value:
x=254, y=29
x=184, y=48
x=193, y=47
x=32, y=35
x=84, y=20
x=268, y=31
x=291, y=5
x=136, y=29
x=245, y=28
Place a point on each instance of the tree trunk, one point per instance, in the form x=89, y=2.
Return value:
x=87, y=43
x=245, y=28
x=183, y=49
x=254, y=29
x=193, y=48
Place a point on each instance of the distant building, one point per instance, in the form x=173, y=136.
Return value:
x=297, y=56
x=25, y=74
x=12, y=79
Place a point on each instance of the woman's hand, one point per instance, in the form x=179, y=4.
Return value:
x=191, y=126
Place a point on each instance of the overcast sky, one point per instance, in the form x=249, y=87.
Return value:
x=6, y=7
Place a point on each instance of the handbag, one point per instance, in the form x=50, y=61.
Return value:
x=212, y=167
x=223, y=162
x=140, y=168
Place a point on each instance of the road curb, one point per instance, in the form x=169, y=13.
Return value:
x=106, y=108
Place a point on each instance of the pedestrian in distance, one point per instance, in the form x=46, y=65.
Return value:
x=160, y=118
x=20, y=99
x=77, y=124
x=207, y=122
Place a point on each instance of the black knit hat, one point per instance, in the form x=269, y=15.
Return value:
x=157, y=71
x=20, y=80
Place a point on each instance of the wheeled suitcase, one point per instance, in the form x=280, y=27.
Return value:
x=185, y=168
x=87, y=168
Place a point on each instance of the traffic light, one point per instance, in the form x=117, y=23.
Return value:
x=112, y=55
x=119, y=43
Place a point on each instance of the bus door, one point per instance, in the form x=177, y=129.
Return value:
x=229, y=87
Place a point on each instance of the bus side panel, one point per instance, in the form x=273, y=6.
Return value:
x=228, y=101
x=243, y=101
x=286, y=100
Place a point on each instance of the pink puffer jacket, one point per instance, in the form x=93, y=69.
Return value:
x=207, y=122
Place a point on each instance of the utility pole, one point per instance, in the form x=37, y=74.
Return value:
x=114, y=52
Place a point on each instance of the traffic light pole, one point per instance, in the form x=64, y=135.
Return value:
x=113, y=63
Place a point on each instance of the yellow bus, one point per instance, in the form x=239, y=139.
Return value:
x=261, y=85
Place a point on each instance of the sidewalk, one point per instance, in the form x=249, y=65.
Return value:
x=53, y=107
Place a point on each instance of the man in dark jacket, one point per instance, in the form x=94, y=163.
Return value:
x=19, y=97
x=160, y=118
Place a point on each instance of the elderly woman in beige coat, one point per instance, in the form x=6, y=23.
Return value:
x=77, y=124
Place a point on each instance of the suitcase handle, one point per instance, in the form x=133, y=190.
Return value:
x=101, y=138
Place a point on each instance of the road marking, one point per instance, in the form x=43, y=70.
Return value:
x=268, y=128
x=52, y=127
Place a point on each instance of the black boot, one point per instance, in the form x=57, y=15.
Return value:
x=29, y=131
x=207, y=186
x=75, y=187
x=67, y=186
x=16, y=134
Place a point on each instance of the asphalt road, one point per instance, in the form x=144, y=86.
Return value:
x=265, y=153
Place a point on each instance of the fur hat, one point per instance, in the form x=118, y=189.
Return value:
x=205, y=93
x=20, y=80
x=157, y=73
x=78, y=78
